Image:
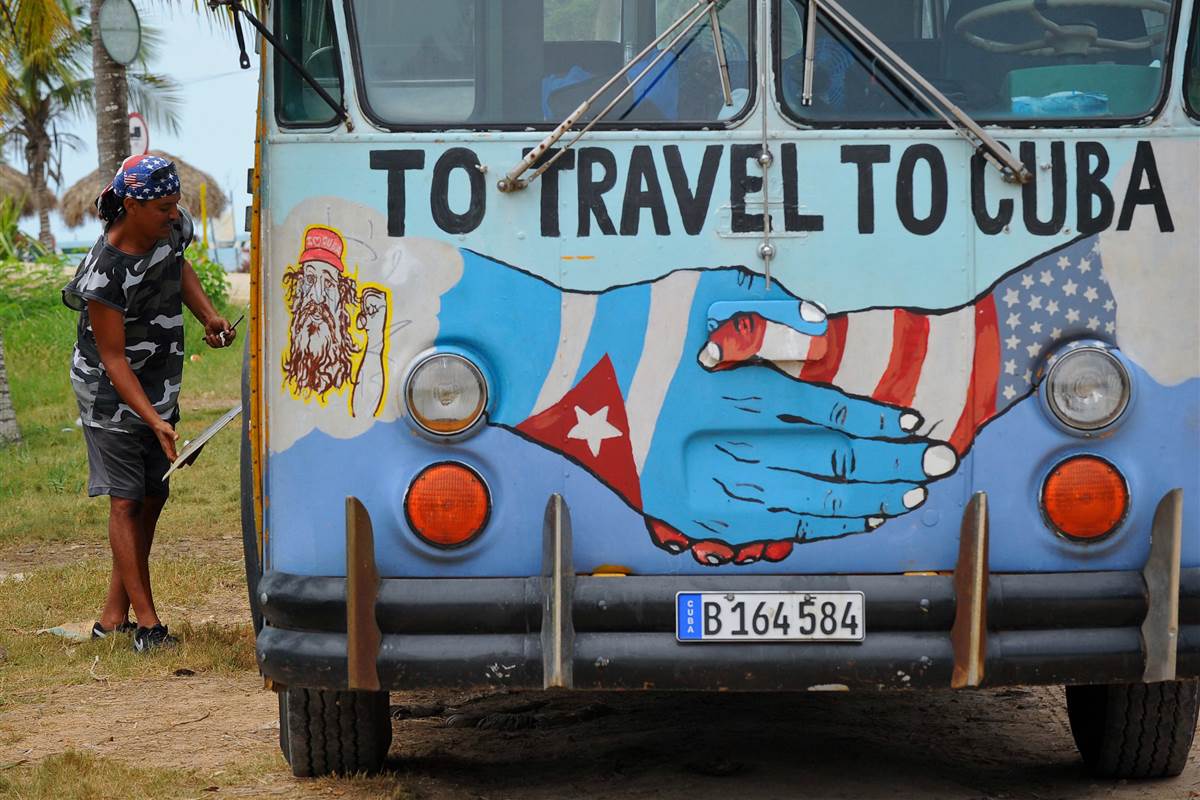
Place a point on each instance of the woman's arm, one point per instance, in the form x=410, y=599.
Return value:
x=216, y=328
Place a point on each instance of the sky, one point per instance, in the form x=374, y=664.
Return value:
x=217, y=130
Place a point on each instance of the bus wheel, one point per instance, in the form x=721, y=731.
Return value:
x=333, y=733
x=1134, y=730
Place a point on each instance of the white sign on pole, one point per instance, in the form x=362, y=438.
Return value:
x=139, y=135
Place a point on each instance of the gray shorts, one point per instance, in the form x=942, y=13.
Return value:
x=128, y=465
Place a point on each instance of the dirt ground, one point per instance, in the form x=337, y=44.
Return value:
x=937, y=745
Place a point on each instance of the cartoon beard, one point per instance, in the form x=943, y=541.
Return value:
x=319, y=358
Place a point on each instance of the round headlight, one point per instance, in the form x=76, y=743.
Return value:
x=445, y=394
x=1088, y=388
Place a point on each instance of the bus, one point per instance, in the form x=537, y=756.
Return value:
x=726, y=345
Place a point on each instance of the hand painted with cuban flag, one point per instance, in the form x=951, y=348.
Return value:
x=735, y=465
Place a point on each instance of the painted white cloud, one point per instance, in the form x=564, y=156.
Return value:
x=1154, y=276
x=416, y=271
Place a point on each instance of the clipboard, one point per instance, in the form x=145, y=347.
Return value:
x=191, y=446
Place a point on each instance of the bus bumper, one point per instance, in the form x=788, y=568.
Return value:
x=971, y=628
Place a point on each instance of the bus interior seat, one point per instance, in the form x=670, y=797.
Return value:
x=983, y=73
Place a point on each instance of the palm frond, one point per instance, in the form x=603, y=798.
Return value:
x=158, y=97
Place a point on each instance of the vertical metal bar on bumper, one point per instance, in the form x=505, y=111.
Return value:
x=1160, y=630
x=362, y=590
x=969, y=633
x=558, y=591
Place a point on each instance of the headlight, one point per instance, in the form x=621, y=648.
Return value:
x=1087, y=388
x=445, y=394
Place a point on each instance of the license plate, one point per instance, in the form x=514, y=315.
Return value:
x=770, y=617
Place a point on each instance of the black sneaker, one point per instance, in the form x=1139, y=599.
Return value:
x=98, y=631
x=145, y=639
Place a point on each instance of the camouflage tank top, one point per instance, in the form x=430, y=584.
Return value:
x=147, y=288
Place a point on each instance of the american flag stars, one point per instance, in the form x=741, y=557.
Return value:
x=1046, y=306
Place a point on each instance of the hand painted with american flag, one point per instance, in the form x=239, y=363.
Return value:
x=945, y=372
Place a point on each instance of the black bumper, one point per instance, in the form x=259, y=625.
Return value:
x=465, y=632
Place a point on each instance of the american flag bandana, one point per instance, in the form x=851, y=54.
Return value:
x=146, y=178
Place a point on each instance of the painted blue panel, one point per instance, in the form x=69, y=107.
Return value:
x=511, y=319
x=619, y=329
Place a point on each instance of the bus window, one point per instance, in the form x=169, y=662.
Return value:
x=306, y=30
x=995, y=59
x=1191, y=81
x=469, y=63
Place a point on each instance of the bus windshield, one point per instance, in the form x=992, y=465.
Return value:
x=1005, y=60
x=470, y=63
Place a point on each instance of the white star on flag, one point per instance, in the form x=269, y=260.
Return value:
x=1010, y=367
x=1069, y=287
x=593, y=428
x=1035, y=302
x=1091, y=294
x=1093, y=324
x=1013, y=320
x=1056, y=333
x=1009, y=393
x=1012, y=297
x=1012, y=342
x=1085, y=265
x=1109, y=305
x=1072, y=315
x=1027, y=281
x=1052, y=307
x=1063, y=262
x=1047, y=278
x=1033, y=350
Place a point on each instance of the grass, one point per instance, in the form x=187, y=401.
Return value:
x=33, y=662
x=77, y=776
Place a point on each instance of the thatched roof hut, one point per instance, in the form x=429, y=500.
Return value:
x=15, y=184
x=79, y=202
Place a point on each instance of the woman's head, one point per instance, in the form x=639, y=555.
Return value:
x=145, y=191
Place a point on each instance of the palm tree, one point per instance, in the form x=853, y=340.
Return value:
x=112, y=102
x=44, y=80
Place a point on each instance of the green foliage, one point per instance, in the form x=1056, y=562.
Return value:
x=14, y=244
x=211, y=274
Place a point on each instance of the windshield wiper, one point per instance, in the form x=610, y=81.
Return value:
x=235, y=8
x=703, y=9
x=914, y=82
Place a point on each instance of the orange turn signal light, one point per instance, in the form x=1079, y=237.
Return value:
x=1085, y=497
x=447, y=504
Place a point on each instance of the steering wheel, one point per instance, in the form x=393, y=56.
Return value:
x=1081, y=39
x=315, y=54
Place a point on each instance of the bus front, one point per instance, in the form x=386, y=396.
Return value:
x=737, y=345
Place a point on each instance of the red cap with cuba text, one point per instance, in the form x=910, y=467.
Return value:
x=324, y=245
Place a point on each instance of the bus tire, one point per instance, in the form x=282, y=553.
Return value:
x=249, y=524
x=325, y=732
x=1134, y=730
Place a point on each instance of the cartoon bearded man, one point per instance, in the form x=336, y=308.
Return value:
x=322, y=301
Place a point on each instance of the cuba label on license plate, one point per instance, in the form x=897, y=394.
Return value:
x=770, y=617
